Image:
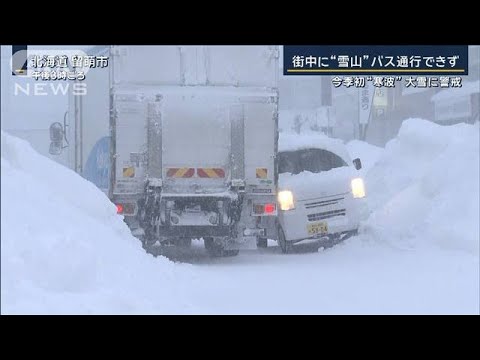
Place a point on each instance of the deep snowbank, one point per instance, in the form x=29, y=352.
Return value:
x=424, y=190
x=64, y=248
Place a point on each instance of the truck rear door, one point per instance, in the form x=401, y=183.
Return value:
x=129, y=145
x=195, y=143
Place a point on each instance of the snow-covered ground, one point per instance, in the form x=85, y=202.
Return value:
x=65, y=250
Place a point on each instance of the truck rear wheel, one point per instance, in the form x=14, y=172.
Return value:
x=217, y=250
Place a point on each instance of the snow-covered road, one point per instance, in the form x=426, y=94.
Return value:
x=65, y=250
x=356, y=277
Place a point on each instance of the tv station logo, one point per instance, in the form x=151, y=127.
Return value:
x=19, y=60
x=54, y=71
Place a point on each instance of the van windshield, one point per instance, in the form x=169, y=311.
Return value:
x=313, y=160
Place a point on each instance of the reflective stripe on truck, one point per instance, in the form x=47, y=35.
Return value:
x=210, y=172
x=128, y=172
x=261, y=173
x=180, y=172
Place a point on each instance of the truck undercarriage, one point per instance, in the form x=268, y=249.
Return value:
x=176, y=219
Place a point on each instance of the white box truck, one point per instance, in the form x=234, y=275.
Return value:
x=184, y=140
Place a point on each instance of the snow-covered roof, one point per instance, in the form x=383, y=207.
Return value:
x=468, y=88
x=293, y=142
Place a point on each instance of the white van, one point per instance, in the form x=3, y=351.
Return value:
x=319, y=190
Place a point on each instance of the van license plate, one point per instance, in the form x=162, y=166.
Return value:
x=317, y=228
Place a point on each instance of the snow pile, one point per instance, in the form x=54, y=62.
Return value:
x=425, y=188
x=64, y=248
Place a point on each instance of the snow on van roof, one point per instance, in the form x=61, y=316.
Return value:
x=293, y=142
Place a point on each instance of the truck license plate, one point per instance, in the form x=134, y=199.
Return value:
x=317, y=228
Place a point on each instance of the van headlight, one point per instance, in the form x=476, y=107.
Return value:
x=358, y=188
x=285, y=199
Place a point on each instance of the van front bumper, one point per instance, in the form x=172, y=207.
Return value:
x=342, y=217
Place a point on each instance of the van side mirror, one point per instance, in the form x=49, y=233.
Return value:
x=358, y=163
x=55, y=148
x=56, y=137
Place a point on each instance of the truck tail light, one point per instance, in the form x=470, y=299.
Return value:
x=270, y=208
x=265, y=209
x=126, y=208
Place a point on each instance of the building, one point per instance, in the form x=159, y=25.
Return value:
x=391, y=106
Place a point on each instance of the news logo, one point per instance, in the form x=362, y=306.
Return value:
x=52, y=71
x=19, y=60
